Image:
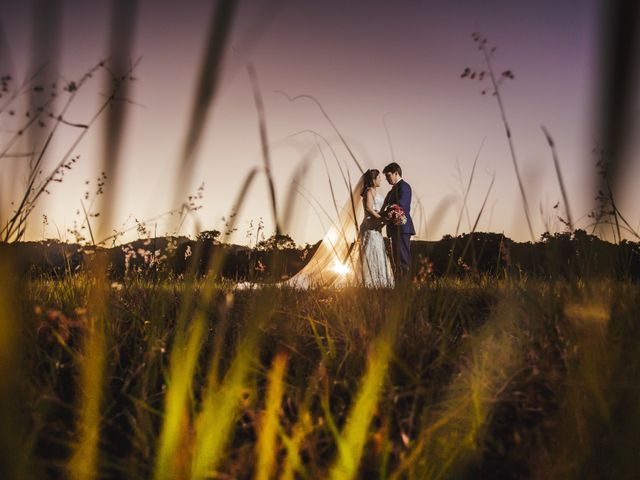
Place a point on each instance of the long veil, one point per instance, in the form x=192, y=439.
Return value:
x=336, y=262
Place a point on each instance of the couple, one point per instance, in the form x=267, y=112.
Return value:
x=337, y=264
x=376, y=267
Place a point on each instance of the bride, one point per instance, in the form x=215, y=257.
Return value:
x=351, y=254
x=376, y=267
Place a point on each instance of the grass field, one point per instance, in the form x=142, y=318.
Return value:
x=196, y=378
x=446, y=379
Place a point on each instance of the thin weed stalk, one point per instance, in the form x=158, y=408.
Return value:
x=556, y=164
x=468, y=189
x=298, y=177
x=266, y=156
x=477, y=220
x=16, y=223
x=482, y=46
x=333, y=125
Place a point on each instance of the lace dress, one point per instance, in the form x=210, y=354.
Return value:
x=376, y=266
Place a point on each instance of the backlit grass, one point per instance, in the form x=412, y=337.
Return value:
x=446, y=379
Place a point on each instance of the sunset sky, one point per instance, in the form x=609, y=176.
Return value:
x=367, y=62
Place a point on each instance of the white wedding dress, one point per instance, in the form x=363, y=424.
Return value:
x=376, y=266
x=351, y=254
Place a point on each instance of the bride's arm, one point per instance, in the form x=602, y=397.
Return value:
x=368, y=204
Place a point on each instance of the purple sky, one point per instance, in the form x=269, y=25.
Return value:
x=364, y=61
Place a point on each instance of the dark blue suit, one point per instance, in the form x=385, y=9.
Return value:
x=400, y=235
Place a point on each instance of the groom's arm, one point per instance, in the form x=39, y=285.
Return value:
x=404, y=196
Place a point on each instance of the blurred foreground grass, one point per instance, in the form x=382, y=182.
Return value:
x=446, y=379
x=479, y=378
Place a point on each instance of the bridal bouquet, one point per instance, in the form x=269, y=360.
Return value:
x=395, y=214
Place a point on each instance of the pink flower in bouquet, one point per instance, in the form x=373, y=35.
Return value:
x=395, y=214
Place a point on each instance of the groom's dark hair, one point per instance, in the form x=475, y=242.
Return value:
x=393, y=168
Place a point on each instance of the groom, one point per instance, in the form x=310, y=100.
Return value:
x=400, y=235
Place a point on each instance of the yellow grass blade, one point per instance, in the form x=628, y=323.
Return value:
x=219, y=409
x=83, y=463
x=452, y=437
x=302, y=427
x=292, y=444
x=184, y=356
x=353, y=438
x=12, y=456
x=267, y=444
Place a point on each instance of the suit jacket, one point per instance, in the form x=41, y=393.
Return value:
x=400, y=194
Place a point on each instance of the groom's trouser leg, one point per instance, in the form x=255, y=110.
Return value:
x=404, y=248
x=395, y=253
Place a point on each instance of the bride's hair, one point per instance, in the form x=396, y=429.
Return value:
x=368, y=178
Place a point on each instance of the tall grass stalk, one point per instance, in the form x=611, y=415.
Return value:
x=84, y=461
x=352, y=439
x=123, y=23
x=183, y=363
x=591, y=393
x=556, y=164
x=468, y=189
x=83, y=464
x=185, y=352
x=267, y=444
x=219, y=402
x=451, y=437
x=477, y=220
x=618, y=88
x=290, y=200
x=15, y=454
x=293, y=462
x=15, y=226
x=333, y=125
x=264, y=142
x=222, y=16
x=220, y=406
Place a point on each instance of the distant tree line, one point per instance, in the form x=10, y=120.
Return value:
x=558, y=255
